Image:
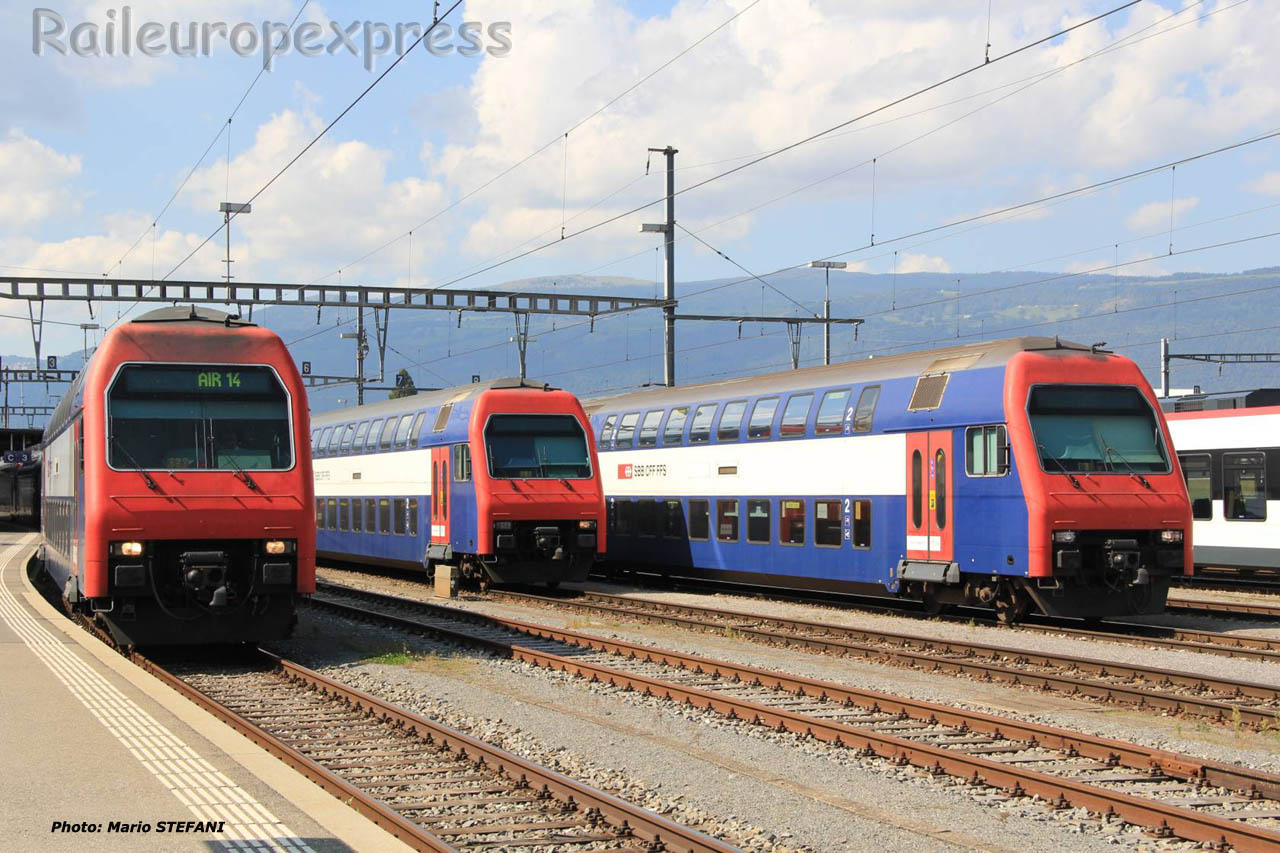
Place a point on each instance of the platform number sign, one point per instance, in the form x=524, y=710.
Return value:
x=400, y=378
x=51, y=362
x=306, y=368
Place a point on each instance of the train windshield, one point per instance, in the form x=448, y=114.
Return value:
x=177, y=416
x=1096, y=429
x=547, y=447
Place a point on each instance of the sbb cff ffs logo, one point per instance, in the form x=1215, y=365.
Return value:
x=625, y=472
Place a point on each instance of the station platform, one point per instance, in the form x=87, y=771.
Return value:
x=87, y=739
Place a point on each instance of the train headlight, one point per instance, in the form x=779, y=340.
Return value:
x=587, y=524
x=1171, y=537
x=1064, y=537
x=126, y=549
x=279, y=546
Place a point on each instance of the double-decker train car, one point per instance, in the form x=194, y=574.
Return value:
x=1229, y=447
x=1024, y=473
x=20, y=488
x=176, y=484
x=498, y=479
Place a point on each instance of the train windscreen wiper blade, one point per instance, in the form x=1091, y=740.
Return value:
x=1044, y=454
x=242, y=474
x=151, y=483
x=1109, y=451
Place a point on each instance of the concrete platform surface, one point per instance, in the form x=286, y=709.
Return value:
x=91, y=742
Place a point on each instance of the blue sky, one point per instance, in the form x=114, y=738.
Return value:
x=91, y=148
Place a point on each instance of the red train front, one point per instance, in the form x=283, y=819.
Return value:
x=177, y=486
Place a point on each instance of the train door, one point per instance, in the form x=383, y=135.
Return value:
x=929, y=496
x=441, y=495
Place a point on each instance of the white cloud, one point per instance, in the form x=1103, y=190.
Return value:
x=1156, y=213
x=36, y=180
x=908, y=262
x=1268, y=184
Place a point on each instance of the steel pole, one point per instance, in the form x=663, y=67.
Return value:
x=826, y=316
x=1164, y=367
x=360, y=354
x=669, y=279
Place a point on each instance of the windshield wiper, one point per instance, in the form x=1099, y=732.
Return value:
x=242, y=474
x=1133, y=472
x=1044, y=454
x=151, y=483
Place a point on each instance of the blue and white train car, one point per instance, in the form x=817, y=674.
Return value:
x=1016, y=474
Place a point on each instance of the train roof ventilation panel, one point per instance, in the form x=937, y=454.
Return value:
x=928, y=392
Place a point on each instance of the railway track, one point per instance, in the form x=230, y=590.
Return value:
x=431, y=786
x=1173, y=794
x=1213, y=607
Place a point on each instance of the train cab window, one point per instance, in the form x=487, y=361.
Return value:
x=606, y=431
x=344, y=514
x=442, y=418
x=727, y=521
x=1196, y=469
x=462, y=463
x=673, y=432
x=796, y=415
x=388, y=433
x=348, y=433
x=865, y=411
x=1244, y=486
x=398, y=515
x=647, y=510
x=731, y=421
x=362, y=432
x=791, y=522
x=320, y=513
x=331, y=513
x=537, y=447
x=761, y=423
x=402, y=431
x=371, y=443
x=700, y=520
x=416, y=429
x=413, y=516
x=384, y=515
x=626, y=430
x=357, y=515
x=626, y=511
x=827, y=527
x=758, y=522
x=862, y=524
x=940, y=487
x=370, y=515
x=1096, y=429
x=700, y=427
x=831, y=412
x=986, y=451
x=673, y=519
x=323, y=444
x=649, y=428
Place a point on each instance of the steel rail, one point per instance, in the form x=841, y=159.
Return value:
x=1217, y=608
x=663, y=834
x=1063, y=792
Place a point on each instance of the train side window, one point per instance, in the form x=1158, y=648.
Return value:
x=348, y=433
x=831, y=412
x=647, y=510
x=442, y=418
x=344, y=514
x=761, y=423
x=731, y=421
x=917, y=489
x=462, y=463
x=826, y=524
x=606, y=431
x=336, y=441
x=796, y=415
x=626, y=430
x=626, y=516
x=357, y=515
x=362, y=432
x=370, y=515
x=727, y=521
x=862, y=524
x=413, y=516
x=320, y=513
x=324, y=439
x=649, y=428
x=402, y=431
x=315, y=436
x=865, y=411
x=1196, y=469
x=791, y=522
x=700, y=520
x=673, y=519
x=986, y=451
x=758, y=522
x=371, y=444
x=1244, y=486
x=384, y=515
x=388, y=432
x=940, y=484
x=398, y=515
x=673, y=432
x=700, y=428
x=331, y=513
x=416, y=429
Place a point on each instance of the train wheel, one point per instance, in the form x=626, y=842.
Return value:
x=933, y=605
x=1012, y=605
x=553, y=584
